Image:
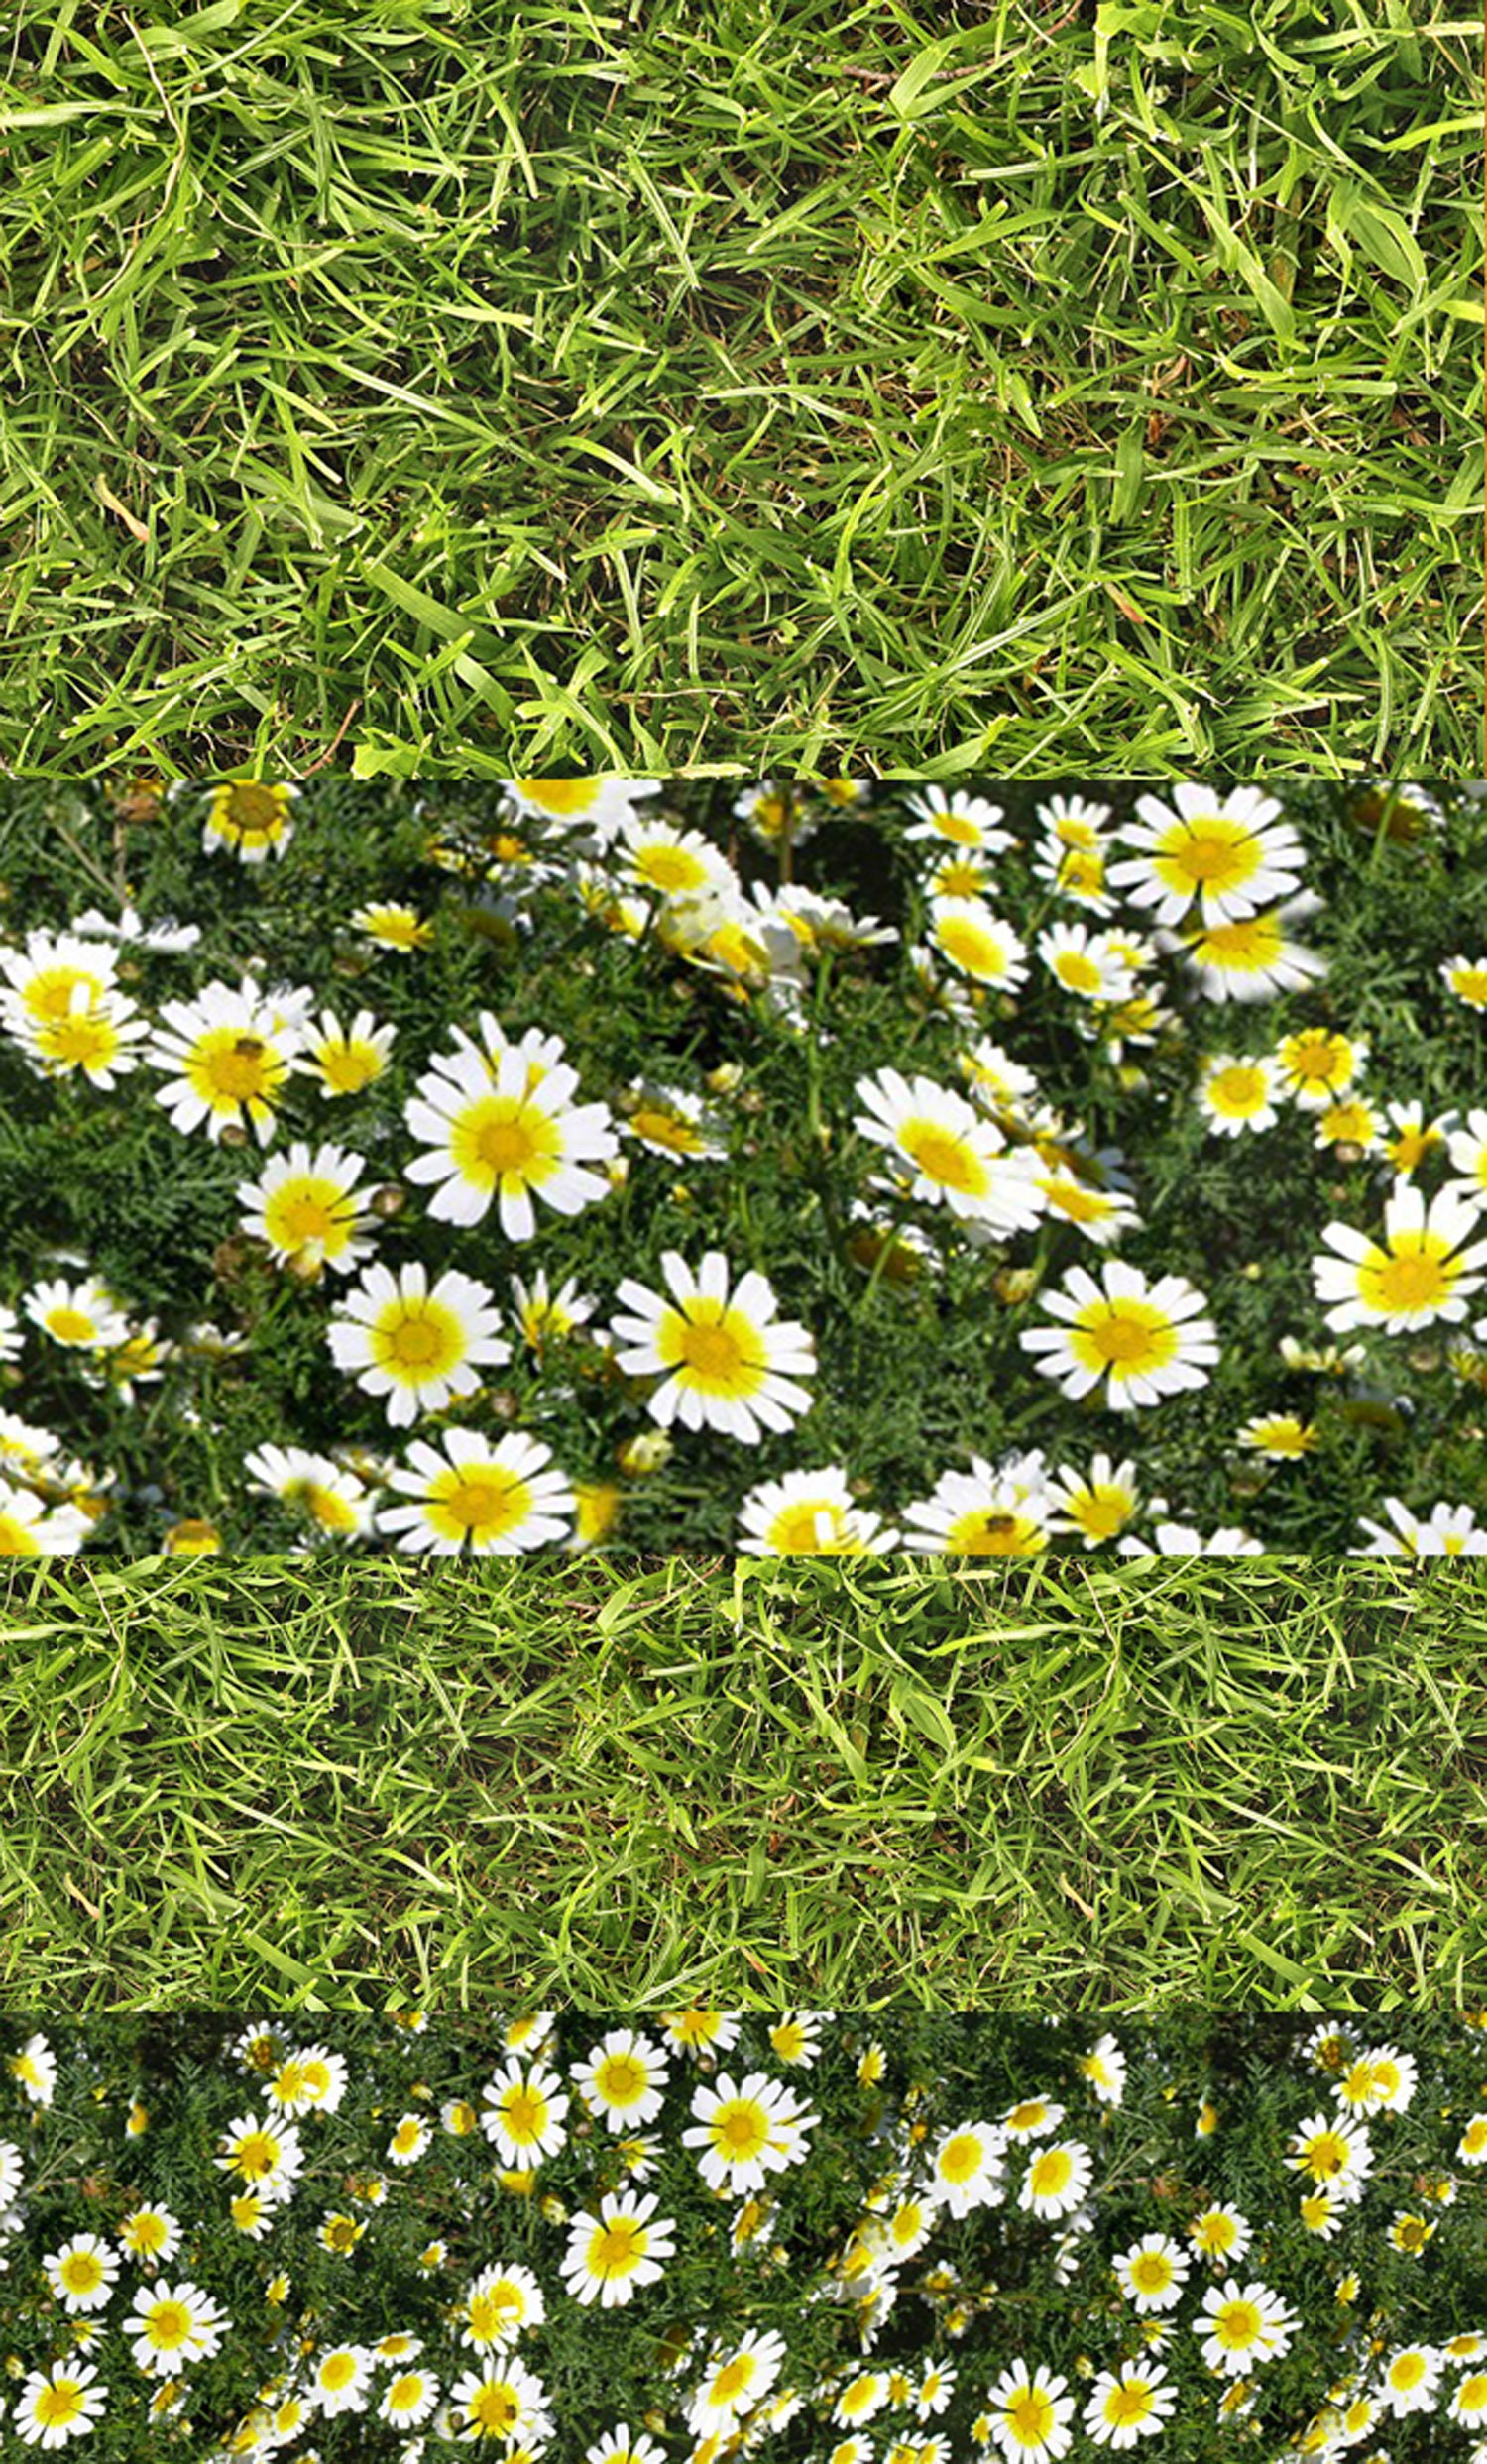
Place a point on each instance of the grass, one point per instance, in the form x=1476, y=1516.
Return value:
x=858, y=1783
x=677, y=386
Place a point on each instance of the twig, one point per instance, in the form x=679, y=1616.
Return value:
x=329, y=754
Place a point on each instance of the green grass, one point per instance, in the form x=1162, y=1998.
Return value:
x=682, y=385
x=773, y=1784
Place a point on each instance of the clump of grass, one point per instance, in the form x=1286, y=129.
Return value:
x=681, y=387
x=641, y=1781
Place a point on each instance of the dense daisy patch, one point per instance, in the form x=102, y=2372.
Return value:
x=702, y=2234
x=832, y=1167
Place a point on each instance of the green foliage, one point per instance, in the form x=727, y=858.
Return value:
x=699, y=385
x=914, y=1377
x=986, y=2287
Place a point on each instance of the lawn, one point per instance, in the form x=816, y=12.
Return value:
x=695, y=385
x=1073, y=1787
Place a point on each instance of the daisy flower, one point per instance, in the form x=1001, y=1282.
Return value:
x=46, y=977
x=503, y=2402
x=956, y=1156
x=231, y=1053
x=622, y=2079
x=409, y=2398
x=97, y=1036
x=1466, y=979
x=617, y=2447
x=338, y=2382
x=1136, y=2403
x=1221, y=2234
x=1413, y=1137
x=679, y=863
x=83, y=2273
x=499, y=1497
x=150, y=2234
x=966, y=2170
x=735, y=2383
x=1030, y=2413
x=700, y=2032
x=1317, y=1064
x=307, y=1207
x=507, y=1129
x=1237, y=1093
x=1421, y=1272
x=83, y=1316
x=1230, y=853
x=1102, y=1215
x=250, y=819
x=612, y=2253
x=1279, y=1434
x=1181, y=1539
x=1092, y=965
x=727, y=1362
x=1242, y=2325
x=1147, y=1341
x=978, y=944
x=773, y=812
x=1057, y=2179
x=988, y=1511
x=264, y=2155
x=545, y=1316
x=1447, y=1532
x=1096, y=1503
x=1152, y=2273
x=1252, y=957
x=1104, y=2067
x=59, y=2404
x=393, y=925
x=502, y=2303
x=598, y=805
x=334, y=1500
x=958, y=821
x=172, y=2325
x=523, y=2113
x=27, y=1530
x=34, y=2069
x=824, y=923
x=809, y=1515
x=418, y=1344
x=1380, y=2081
x=1409, y=2380
x=747, y=2129
x=343, y=1061
x=1468, y=1146
x=672, y=1122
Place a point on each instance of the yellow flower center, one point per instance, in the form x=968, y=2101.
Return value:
x=561, y=796
x=616, y=2248
x=1151, y=2272
x=944, y=1158
x=1130, y=1334
x=418, y=1336
x=961, y=2158
x=404, y=2393
x=169, y=2325
x=348, y=1067
x=1130, y=2401
x=505, y=1137
x=1213, y=850
x=622, y=2079
x=337, y=2371
x=253, y=809
x=799, y=1533
x=1237, y=2326
x=495, y=2410
x=740, y=2129
x=1078, y=970
x=48, y=995
x=958, y=830
x=732, y=2379
x=1415, y=1276
x=971, y=947
x=1100, y=1513
x=59, y=2404
x=1031, y=2416
x=81, y=2272
x=230, y=1066
x=70, y=1325
x=666, y=1129
x=524, y=2111
x=1240, y=1088
x=1050, y=2173
x=993, y=1535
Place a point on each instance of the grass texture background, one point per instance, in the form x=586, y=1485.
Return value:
x=670, y=384
x=768, y=1784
